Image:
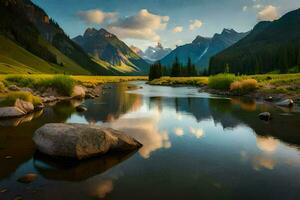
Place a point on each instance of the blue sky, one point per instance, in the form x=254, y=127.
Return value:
x=172, y=22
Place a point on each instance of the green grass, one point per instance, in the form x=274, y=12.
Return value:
x=11, y=97
x=221, y=81
x=2, y=87
x=17, y=60
x=266, y=83
x=195, y=81
x=97, y=80
x=63, y=84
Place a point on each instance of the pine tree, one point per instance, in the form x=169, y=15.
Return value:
x=176, y=68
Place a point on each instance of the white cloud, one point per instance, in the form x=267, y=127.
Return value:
x=178, y=29
x=257, y=6
x=96, y=16
x=144, y=25
x=195, y=24
x=245, y=8
x=268, y=13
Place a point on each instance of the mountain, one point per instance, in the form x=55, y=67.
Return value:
x=156, y=53
x=270, y=46
x=203, y=48
x=107, y=49
x=31, y=42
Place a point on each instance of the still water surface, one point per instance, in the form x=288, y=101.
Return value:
x=196, y=146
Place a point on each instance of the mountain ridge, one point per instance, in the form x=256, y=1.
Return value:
x=270, y=46
x=106, y=47
x=202, y=48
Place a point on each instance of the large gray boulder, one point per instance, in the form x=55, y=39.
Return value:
x=6, y=112
x=81, y=141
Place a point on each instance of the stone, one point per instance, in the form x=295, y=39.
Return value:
x=18, y=197
x=25, y=106
x=8, y=157
x=78, y=92
x=14, y=88
x=266, y=116
x=3, y=190
x=6, y=112
x=89, y=96
x=81, y=141
x=286, y=103
x=269, y=99
x=39, y=107
x=26, y=89
x=28, y=178
x=81, y=108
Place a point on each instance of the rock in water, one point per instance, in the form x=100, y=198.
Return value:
x=6, y=112
x=25, y=106
x=81, y=108
x=266, y=116
x=81, y=141
x=28, y=178
x=78, y=92
x=286, y=103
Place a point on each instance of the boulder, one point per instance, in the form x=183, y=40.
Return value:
x=78, y=92
x=28, y=178
x=6, y=112
x=81, y=108
x=14, y=88
x=26, y=89
x=81, y=141
x=89, y=96
x=286, y=103
x=269, y=99
x=266, y=116
x=25, y=106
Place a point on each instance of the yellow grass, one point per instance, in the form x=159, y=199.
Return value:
x=195, y=81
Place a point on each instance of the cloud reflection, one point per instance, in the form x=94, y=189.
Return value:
x=199, y=133
x=266, y=144
x=145, y=130
x=179, y=132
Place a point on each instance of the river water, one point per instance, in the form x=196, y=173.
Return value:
x=196, y=146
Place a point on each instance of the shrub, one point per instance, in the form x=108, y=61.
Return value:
x=61, y=83
x=2, y=87
x=11, y=98
x=243, y=86
x=221, y=81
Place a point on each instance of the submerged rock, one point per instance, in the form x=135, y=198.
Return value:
x=81, y=141
x=286, y=103
x=81, y=108
x=28, y=178
x=266, y=116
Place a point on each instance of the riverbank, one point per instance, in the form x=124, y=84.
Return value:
x=35, y=91
x=275, y=86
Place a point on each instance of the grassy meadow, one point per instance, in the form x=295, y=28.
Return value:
x=266, y=83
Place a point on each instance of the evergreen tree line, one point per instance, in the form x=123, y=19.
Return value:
x=284, y=59
x=157, y=70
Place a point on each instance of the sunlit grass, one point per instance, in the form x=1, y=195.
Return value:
x=11, y=97
x=97, y=80
x=195, y=81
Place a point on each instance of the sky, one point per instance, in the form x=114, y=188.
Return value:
x=143, y=23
